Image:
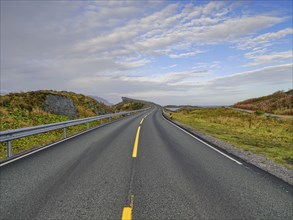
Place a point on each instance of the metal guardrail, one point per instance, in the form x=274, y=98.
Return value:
x=9, y=135
x=166, y=114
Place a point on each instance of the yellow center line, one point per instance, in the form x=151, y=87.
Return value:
x=145, y=116
x=127, y=211
x=134, y=153
x=141, y=121
x=131, y=200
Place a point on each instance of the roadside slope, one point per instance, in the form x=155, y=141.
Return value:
x=279, y=103
x=85, y=177
x=179, y=177
x=265, y=142
x=27, y=109
x=173, y=176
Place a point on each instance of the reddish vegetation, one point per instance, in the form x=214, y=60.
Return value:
x=277, y=103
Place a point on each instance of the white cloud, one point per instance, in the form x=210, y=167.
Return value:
x=160, y=32
x=208, y=66
x=268, y=75
x=187, y=86
x=263, y=40
x=174, y=65
x=134, y=64
x=167, y=79
x=184, y=55
x=104, y=47
x=234, y=28
x=169, y=67
x=269, y=58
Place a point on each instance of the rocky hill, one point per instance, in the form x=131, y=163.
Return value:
x=280, y=102
x=129, y=104
x=27, y=109
x=55, y=102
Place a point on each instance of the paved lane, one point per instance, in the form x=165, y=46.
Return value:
x=144, y=167
x=86, y=177
x=177, y=177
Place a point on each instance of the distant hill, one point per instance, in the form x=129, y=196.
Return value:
x=280, y=102
x=182, y=106
x=129, y=104
x=99, y=99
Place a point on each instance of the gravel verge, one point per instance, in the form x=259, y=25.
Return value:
x=259, y=161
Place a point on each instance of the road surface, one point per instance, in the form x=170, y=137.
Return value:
x=141, y=166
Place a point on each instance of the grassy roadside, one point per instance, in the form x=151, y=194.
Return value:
x=280, y=103
x=19, y=118
x=266, y=136
x=26, y=109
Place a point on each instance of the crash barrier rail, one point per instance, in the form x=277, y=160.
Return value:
x=166, y=114
x=9, y=135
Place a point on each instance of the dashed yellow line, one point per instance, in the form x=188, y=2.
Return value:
x=131, y=200
x=127, y=211
x=141, y=121
x=134, y=153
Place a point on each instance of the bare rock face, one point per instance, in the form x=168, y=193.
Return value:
x=59, y=105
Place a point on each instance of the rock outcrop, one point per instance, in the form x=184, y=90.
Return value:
x=59, y=105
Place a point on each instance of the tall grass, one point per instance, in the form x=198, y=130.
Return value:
x=129, y=106
x=267, y=136
x=19, y=118
x=278, y=103
x=25, y=109
x=85, y=105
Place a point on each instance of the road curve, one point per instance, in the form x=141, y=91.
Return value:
x=143, y=166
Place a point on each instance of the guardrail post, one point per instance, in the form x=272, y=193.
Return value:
x=88, y=125
x=9, y=149
x=64, y=131
x=5, y=136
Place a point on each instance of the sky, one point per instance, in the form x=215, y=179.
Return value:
x=168, y=52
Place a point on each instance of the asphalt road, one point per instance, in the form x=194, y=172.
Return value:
x=158, y=172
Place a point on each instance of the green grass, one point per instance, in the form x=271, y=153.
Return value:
x=267, y=136
x=19, y=118
x=25, y=109
x=30, y=101
x=277, y=103
x=129, y=106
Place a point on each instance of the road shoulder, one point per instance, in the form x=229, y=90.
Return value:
x=261, y=162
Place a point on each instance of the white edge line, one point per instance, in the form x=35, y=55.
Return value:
x=50, y=145
x=236, y=161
